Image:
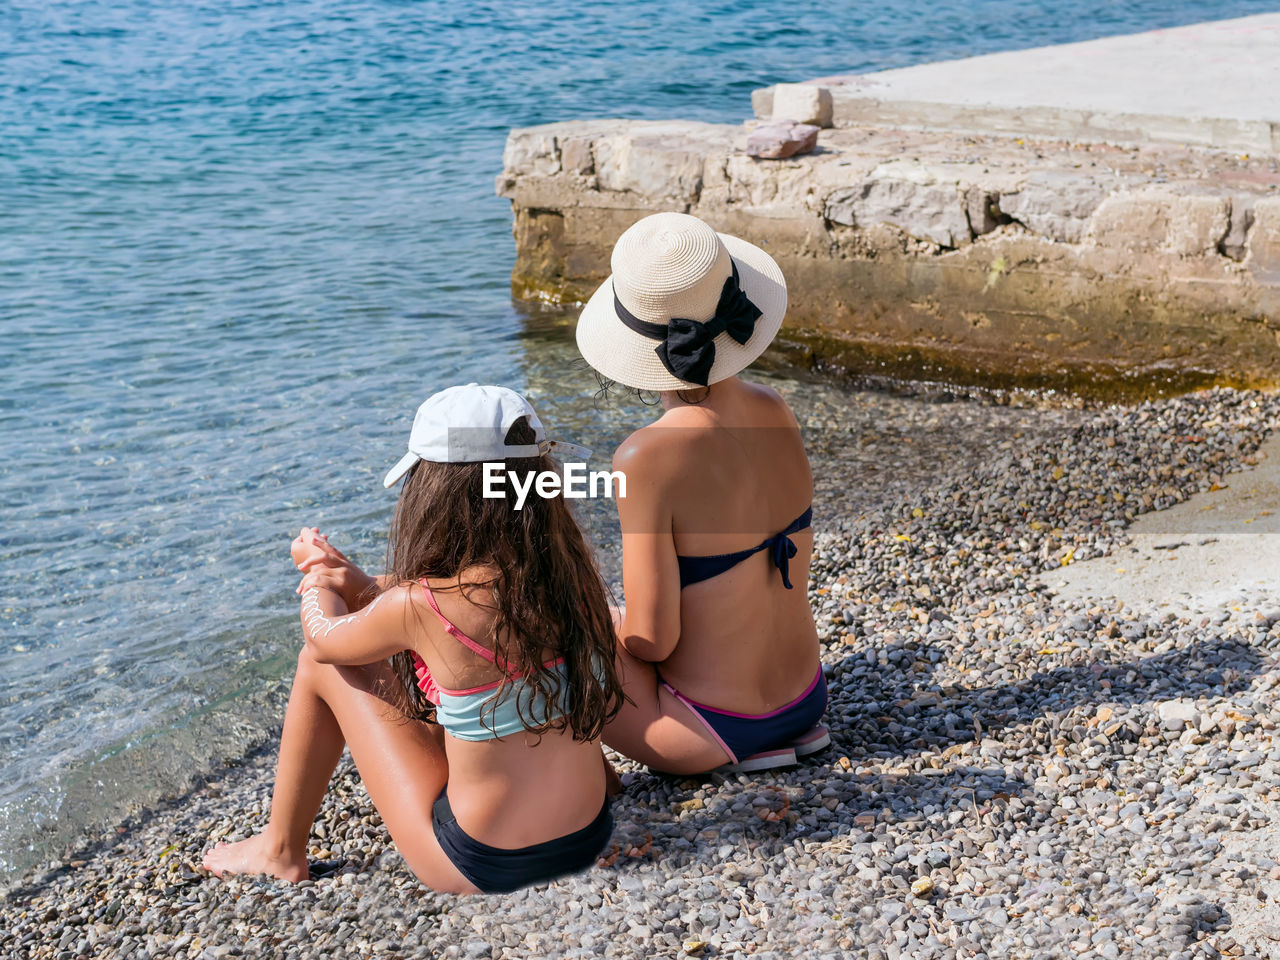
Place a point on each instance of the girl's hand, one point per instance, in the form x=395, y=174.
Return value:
x=323, y=553
x=336, y=579
x=353, y=585
x=324, y=565
x=307, y=546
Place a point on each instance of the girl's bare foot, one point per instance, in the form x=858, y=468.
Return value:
x=255, y=856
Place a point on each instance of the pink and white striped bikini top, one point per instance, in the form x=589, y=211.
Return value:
x=475, y=713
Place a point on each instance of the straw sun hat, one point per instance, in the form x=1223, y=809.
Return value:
x=685, y=306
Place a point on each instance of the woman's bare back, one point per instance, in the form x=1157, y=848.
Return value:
x=744, y=478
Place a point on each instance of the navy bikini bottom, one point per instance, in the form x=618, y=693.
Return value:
x=496, y=870
x=745, y=734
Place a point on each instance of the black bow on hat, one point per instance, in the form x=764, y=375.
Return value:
x=688, y=347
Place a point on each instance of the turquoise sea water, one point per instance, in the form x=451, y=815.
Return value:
x=239, y=241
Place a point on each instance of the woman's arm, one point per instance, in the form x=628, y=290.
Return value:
x=650, y=626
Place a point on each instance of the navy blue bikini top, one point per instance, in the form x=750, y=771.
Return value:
x=697, y=569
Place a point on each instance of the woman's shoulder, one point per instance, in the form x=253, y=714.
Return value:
x=771, y=405
x=660, y=446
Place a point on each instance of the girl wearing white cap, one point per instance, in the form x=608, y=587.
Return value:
x=498, y=628
x=718, y=648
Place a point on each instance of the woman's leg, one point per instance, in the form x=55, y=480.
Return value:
x=657, y=729
x=401, y=762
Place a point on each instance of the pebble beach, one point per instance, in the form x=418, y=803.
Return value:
x=1014, y=772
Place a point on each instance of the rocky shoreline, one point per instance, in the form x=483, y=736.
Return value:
x=1014, y=773
x=1059, y=218
x=975, y=259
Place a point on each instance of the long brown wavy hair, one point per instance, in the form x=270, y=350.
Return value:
x=547, y=595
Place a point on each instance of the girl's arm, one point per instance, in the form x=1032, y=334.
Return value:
x=650, y=627
x=311, y=550
x=346, y=618
x=333, y=635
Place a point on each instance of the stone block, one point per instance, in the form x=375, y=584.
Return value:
x=1134, y=221
x=1264, y=241
x=777, y=188
x=981, y=207
x=762, y=102
x=656, y=170
x=1235, y=243
x=779, y=139
x=1054, y=206
x=907, y=196
x=611, y=157
x=1160, y=219
x=648, y=167
x=531, y=153
x=1197, y=224
x=576, y=157
x=802, y=102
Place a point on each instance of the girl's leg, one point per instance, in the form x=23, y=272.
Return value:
x=401, y=762
x=657, y=729
x=310, y=745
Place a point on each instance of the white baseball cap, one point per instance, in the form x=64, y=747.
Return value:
x=469, y=425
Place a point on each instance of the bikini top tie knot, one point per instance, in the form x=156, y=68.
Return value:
x=688, y=348
x=783, y=549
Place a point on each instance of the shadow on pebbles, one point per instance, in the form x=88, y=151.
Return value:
x=1013, y=773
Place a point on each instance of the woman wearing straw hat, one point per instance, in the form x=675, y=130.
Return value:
x=718, y=652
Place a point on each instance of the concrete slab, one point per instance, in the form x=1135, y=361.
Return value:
x=1218, y=551
x=1211, y=84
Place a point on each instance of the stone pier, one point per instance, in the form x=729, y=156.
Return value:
x=956, y=224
